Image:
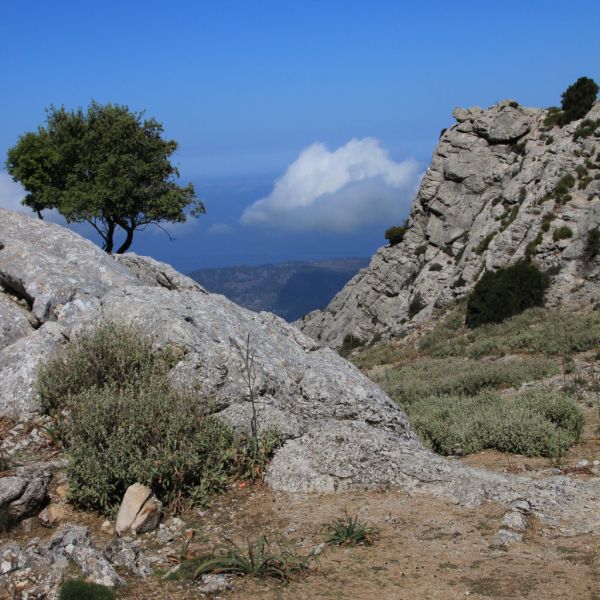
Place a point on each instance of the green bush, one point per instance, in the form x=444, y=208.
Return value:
x=111, y=353
x=121, y=421
x=417, y=304
x=563, y=232
x=592, y=245
x=506, y=292
x=77, y=589
x=349, y=531
x=536, y=423
x=531, y=248
x=546, y=220
x=484, y=243
x=350, y=343
x=394, y=235
x=578, y=99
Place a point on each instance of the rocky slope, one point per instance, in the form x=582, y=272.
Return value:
x=487, y=196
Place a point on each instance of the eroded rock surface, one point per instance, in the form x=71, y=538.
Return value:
x=482, y=201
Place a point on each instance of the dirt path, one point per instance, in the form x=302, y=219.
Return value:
x=427, y=549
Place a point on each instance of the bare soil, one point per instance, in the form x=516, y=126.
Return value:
x=426, y=549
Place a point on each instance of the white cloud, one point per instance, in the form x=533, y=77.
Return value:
x=220, y=229
x=341, y=190
x=11, y=194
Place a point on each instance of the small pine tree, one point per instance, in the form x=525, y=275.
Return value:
x=578, y=98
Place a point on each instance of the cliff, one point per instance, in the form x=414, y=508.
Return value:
x=500, y=184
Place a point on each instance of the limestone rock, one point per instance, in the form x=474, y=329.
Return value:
x=148, y=517
x=52, y=515
x=489, y=179
x=515, y=521
x=134, y=499
x=22, y=497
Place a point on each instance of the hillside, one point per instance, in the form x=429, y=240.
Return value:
x=290, y=289
x=504, y=184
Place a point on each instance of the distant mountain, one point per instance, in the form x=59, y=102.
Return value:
x=290, y=289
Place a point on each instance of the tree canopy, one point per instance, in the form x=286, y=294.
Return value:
x=578, y=98
x=107, y=166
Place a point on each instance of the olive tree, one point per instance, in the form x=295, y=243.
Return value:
x=107, y=166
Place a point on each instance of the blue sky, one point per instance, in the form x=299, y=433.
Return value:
x=250, y=89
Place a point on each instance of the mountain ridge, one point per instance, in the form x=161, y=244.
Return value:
x=289, y=289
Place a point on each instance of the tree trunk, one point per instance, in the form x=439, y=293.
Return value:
x=128, y=239
x=108, y=240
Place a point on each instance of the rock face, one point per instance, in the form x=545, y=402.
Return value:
x=482, y=201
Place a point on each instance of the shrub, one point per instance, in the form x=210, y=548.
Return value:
x=536, y=423
x=578, y=99
x=77, y=589
x=350, y=343
x=121, y=421
x=420, y=250
x=349, y=531
x=592, y=245
x=484, y=243
x=531, y=248
x=112, y=353
x=435, y=267
x=506, y=292
x=417, y=304
x=394, y=235
x=408, y=384
x=563, y=232
x=554, y=116
x=586, y=128
x=546, y=220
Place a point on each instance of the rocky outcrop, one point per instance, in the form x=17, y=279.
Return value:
x=483, y=201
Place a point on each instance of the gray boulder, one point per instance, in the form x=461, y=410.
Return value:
x=21, y=497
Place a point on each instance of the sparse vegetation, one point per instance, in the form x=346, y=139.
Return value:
x=564, y=232
x=417, y=304
x=586, y=128
x=78, y=589
x=506, y=292
x=350, y=343
x=535, y=423
x=592, y=245
x=531, y=248
x=408, y=384
x=257, y=559
x=122, y=421
x=349, y=531
x=394, y=235
x=484, y=243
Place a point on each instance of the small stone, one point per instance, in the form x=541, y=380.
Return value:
x=317, y=550
x=504, y=537
x=581, y=464
x=107, y=527
x=210, y=584
x=133, y=500
x=52, y=515
x=164, y=536
x=515, y=521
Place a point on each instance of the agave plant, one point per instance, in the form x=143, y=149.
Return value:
x=257, y=559
x=349, y=531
